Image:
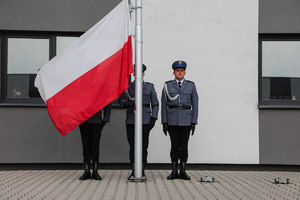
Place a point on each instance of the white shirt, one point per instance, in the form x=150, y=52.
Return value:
x=179, y=81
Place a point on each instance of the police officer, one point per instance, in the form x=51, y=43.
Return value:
x=90, y=131
x=150, y=114
x=179, y=111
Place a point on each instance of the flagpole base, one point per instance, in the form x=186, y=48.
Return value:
x=138, y=180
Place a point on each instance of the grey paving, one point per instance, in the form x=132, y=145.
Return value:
x=64, y=184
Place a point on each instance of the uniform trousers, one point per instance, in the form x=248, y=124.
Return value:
x=179, y=136
x=130, y=138
x=90, y=137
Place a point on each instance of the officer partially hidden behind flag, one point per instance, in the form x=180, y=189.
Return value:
x=179, y=111
x=90, y=131
x=150, y=114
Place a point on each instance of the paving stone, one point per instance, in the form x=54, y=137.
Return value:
x=64, y=184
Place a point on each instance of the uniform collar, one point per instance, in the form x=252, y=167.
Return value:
x=134, y=82
x=183, y=84
x=180, y=81
x=143, y=84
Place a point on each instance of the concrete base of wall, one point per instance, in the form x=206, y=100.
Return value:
x=154, y=166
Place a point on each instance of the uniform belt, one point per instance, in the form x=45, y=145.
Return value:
x=146, y=105
x=180, y=107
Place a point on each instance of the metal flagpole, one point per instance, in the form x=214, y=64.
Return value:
x=138, y=91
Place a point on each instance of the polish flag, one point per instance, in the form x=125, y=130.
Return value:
x=89, y=74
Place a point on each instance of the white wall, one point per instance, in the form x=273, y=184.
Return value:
x=219, y=41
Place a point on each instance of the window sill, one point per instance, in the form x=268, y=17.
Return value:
x=39, y=105
x=22, y=105
x=279, y=107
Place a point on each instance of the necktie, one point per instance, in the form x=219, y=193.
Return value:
x=179, y=83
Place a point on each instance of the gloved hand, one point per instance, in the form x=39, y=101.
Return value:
x=129, y=104
x=165, y=129
x=152, y=122
x=193, y=126
x=102, y=124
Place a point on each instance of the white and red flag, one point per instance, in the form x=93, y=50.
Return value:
x=89, y=74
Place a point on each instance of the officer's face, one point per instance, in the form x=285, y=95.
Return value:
x=179, y=73
x=143, y=74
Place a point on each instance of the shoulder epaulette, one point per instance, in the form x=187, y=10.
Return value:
x=190, y=81
x=148, y=83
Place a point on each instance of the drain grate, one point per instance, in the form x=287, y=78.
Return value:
x=282, y=181
x=207, y=179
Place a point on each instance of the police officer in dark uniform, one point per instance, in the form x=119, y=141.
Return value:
x=179, y=111
x=150, y=114
x=90, y=131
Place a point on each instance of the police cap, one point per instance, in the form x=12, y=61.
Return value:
x=143, y=69
x=179, y=64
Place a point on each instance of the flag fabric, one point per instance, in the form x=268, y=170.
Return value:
x=90, y=73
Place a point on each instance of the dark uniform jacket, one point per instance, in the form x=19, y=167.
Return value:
x=97, y=118
x=150, y=103
x=187, y=97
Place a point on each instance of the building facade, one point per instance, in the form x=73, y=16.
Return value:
x=242, y=55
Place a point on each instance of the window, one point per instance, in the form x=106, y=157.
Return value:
x=279, y=70
x=22, y=54
x=24, y=57
x=63, y=42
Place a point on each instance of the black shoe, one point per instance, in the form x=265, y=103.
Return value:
x=95, y=174
x=144, y=177
x=183, y=175
x=131, y=176
x=87, y=174
x=174, y=173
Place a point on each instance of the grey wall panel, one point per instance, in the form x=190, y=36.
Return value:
x=279, y=136
x=279, y=16
x=114, y=146
x=27, y=133
x=28, y=136
x=54, y=15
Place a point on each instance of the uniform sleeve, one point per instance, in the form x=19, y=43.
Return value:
x=107, y=112
x=154, y=102
x=195, y=100
x=123, y=98
x=163, y=108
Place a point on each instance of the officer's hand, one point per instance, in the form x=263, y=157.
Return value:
x=193, y=126
x=129, y=104
x=152, y=122
x=102, y=124
x=165, y=129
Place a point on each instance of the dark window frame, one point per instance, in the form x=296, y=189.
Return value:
x=264, y=103
x=4, y=98
x=28, y=102
x=5, y=35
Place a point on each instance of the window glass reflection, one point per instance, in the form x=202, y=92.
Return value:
x=63, y=42
x=24, y=57
x=281, y=70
